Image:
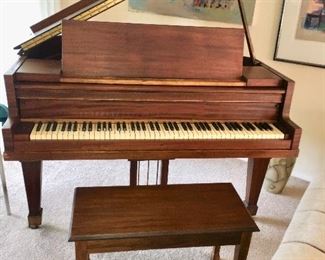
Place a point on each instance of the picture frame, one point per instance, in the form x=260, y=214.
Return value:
x=301, y=33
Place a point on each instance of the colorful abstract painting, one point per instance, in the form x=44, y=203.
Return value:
x=311, y=24
x=213, y=10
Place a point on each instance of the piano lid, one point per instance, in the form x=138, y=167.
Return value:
x=47, y=31
x=51, y=27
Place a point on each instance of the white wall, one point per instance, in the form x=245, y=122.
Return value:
x=15, y=16
x=308, y=105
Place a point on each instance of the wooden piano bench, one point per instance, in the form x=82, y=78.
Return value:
x=111, y=219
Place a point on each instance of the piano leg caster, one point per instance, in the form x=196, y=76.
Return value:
x=35, y=221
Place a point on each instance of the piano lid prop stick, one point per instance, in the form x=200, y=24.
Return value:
x=247, y=34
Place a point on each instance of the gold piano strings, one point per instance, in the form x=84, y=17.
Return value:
x=57, y=30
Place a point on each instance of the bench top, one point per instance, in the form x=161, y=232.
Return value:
x=146, y=211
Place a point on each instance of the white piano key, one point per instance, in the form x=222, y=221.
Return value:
x=277, y=133
x=33, y=134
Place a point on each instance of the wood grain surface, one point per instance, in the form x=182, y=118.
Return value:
x=122, y=212
x=97, y=49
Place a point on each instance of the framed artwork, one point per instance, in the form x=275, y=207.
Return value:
x=301, y=36
x=214, y=10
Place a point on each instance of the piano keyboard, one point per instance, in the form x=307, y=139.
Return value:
x=153, y=130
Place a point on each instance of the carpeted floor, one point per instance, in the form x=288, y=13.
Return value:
x=60, y=178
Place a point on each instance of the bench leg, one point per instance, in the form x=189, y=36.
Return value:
x=81, y=251
x=241, y=250
x=216, y=253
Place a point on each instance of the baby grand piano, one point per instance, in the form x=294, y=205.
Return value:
x=142, y=92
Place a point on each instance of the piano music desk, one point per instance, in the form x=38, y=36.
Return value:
x=111, y=219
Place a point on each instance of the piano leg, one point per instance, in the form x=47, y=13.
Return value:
x=256, y=171
x=32, y=172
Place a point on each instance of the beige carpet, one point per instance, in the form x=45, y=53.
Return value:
x=60, y=178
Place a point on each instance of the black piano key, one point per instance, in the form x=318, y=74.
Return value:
x=215, y=125
x=39, y=126
x=189, y=126
x=239, y=127
x=228, y=125
x=84, y=126
x=143, y=126
x=138, y=126
x=118, y=126
x=48, y=126
x=109, y=125
x=75, y=126
x=132, y=126
x=99, y=126
x=104, y=126
x=245, y=125
x=259, y=126
x=262, y=126
x=124, y=126
x=90, y=127
x=176, y=126
x=270, y=127
x=54, y=126
x=251, y=126
x=202, y=126
x=69, y=126
x=170, y=125
x=220, y=126
x=157, y=126
x=152, y=127
x=234, y=126
x=267, y=127
x=64, y=125
x=166, y=126
x=207, y=126
x=197, y=126
x=184, y=126
x=256, y=126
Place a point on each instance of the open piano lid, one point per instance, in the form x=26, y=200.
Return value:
x=48, y=31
